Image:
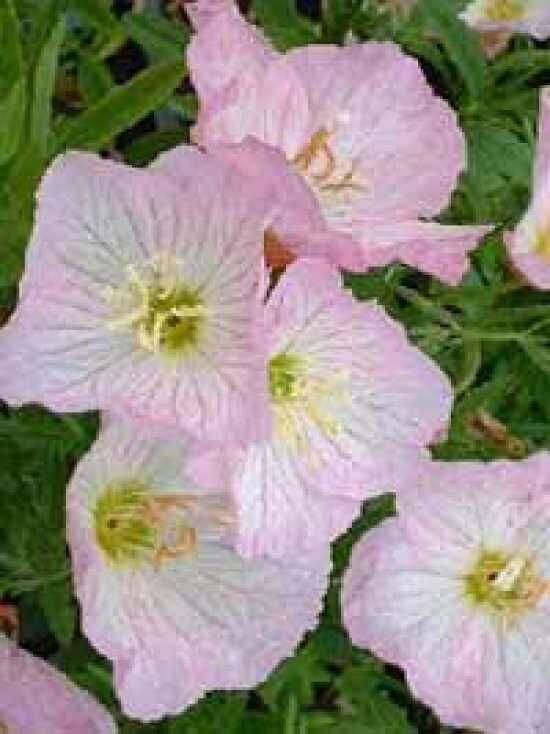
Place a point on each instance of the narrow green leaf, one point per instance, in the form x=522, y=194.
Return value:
x=12, y=82
x=43, y=90
x=161, y=39
x=461, y=44
x=284, y=25
x=56, y=601
x=123, y=107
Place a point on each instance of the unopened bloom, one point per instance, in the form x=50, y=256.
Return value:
x=35, y=698
x=529, y=245
x=515, y=16
x=456, y=591
x=139, y=296
x=369, y=151
x=162, y=592
x=353, y=406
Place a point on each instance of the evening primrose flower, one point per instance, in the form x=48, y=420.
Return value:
x=35, y=698
x=353, y=406
x=375, y=152
x=529, y=245
x=139, y=296
x=456, y=591
x=162, y=592
x=515, y=16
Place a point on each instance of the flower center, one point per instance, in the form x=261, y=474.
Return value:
x=504, y=584
x=334, y=183
x=505, y=10
x=164, y=315
x=135, y=526
x=297, y=394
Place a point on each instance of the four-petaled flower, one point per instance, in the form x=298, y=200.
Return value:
x=456, y=590
x=162, y=592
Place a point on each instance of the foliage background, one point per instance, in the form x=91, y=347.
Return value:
x=110, y=76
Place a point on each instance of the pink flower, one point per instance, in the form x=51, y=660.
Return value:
x=35, y=698
x=371, y=152
x=162, y=592
x=353, y=406
x=455, y=590
x=139, y=296
x=515, y=16
x=529, y=245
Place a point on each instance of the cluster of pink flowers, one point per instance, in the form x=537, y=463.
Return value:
x=245, y=417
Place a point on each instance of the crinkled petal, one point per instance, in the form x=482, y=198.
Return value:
x=437, y=249
x=224, y=48
x=35, y=698
x=204, y=620
x=271, y=106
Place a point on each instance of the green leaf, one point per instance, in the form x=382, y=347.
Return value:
x=161, y=39
x=461, y=44
x=98, y=14
x=95, y=78
x=284, y=25
x=12, y=82
x=361, y=688
x=298, y=677
x=489, y=168
x=123, y=107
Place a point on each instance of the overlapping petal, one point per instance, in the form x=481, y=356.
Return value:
x=139, y=296
x=162, y=592
x=35, y=698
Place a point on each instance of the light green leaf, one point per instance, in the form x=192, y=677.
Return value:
x=12, y=82
x=123, y=107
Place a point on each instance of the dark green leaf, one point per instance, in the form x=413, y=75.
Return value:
x=461, y=44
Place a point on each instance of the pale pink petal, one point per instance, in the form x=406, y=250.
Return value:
x=529, y=245
x=271, y=106
x=224, y=49
x=35, y=698
x=99, y=224
x=281, y=506
x=542, y=160
x=437, y=249
x=200, y=620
